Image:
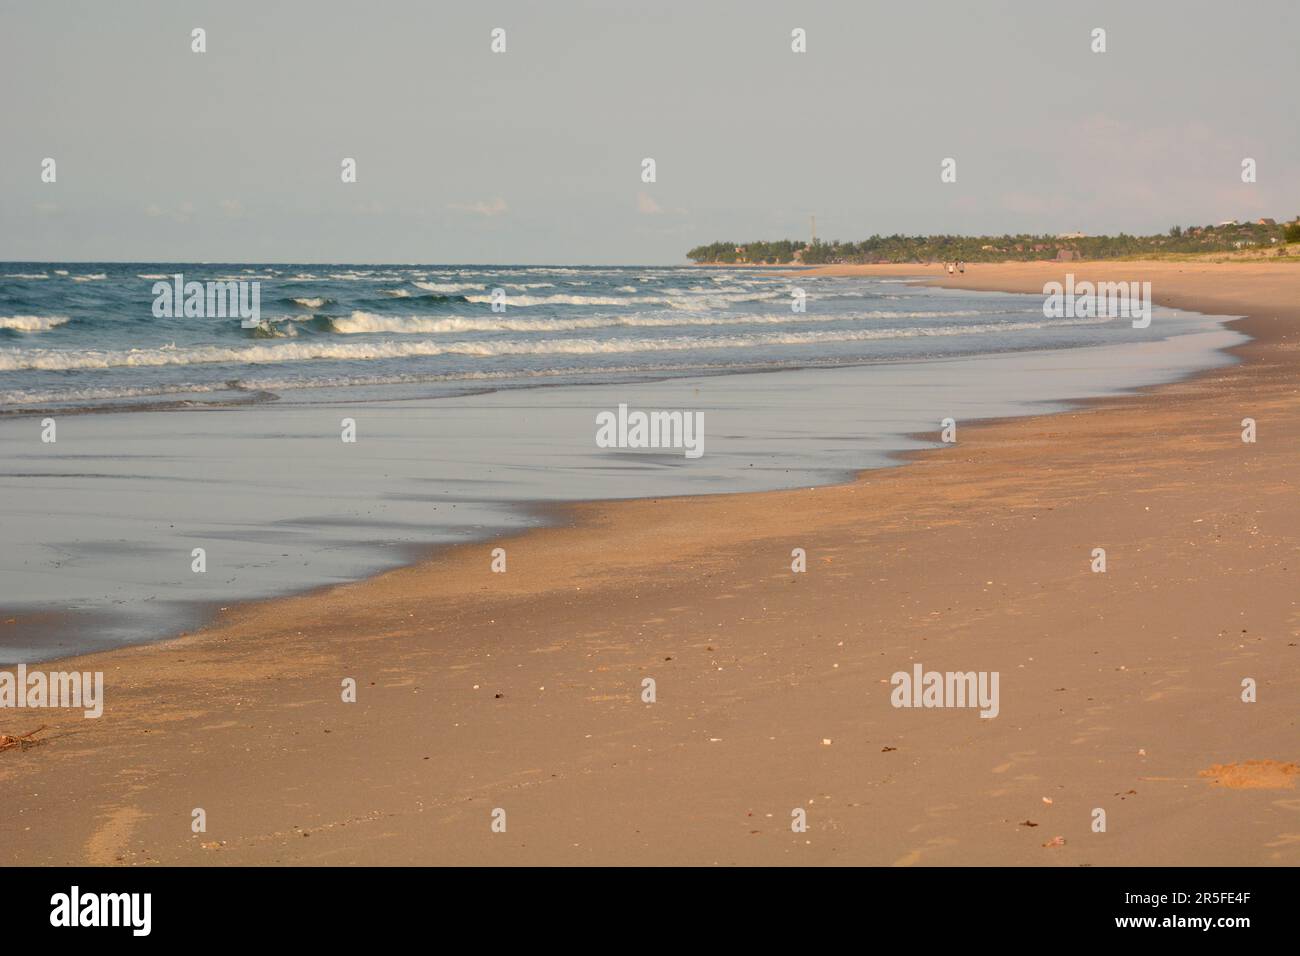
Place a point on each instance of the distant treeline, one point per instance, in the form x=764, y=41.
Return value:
x=1227, y=237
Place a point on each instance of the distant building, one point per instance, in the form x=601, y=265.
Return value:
x=1071, y=235
x=1265, y=222
x=1065, y=255
x=1228, y=222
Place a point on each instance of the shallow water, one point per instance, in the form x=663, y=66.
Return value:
x=99, y=527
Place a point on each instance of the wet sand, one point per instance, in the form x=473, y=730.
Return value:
x=522, y=691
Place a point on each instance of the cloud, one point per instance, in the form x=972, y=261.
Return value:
x=647, y=206
x=181, y=213
x=493, y=207
x=1100, y=173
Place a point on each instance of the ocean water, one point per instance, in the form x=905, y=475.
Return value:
x=468, y=422
x=85, y=335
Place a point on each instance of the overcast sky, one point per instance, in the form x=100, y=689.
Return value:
x=535, y=155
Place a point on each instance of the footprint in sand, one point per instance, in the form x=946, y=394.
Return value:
x=108, y=843
x=1016, y=757
x=914, y=857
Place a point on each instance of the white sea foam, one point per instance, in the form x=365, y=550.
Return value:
x=683, y=299
x=312, y=302
x=318, y=350
x=93, y=394
x=449, y=288
x=31, y=323
x=522, y=301
x=368, y=322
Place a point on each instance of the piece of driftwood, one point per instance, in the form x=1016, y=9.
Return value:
x=22, y=741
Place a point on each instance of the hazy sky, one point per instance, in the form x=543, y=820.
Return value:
x=535, y=155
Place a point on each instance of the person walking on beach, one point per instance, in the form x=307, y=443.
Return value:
x=961, y=266
x=950, y=268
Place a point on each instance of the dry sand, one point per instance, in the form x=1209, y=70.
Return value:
x=521, y=691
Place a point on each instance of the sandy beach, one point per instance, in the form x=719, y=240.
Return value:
x=523, y=691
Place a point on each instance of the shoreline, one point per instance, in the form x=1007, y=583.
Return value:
x=124, y=820
x=777, y=430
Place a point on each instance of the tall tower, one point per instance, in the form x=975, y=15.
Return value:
x=814, y=230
